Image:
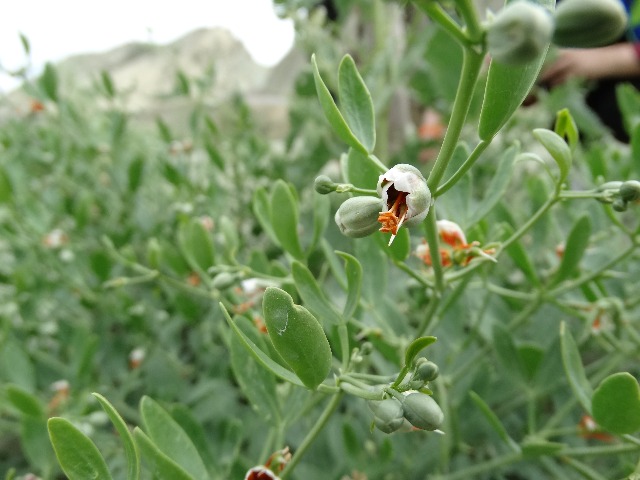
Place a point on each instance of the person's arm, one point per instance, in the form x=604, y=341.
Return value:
x=618, y=60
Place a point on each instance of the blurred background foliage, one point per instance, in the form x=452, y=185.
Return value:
x=109, y=224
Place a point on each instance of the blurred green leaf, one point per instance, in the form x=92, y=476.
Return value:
x=161, y=466
x=575, y=246
x=313, y=296
x=494, y=421
x=36, y=443
x=107, y=84
x=25, y=402
x=171, y=439
x=498, y=186
x=359, y=169
x=521, y=258
x=257, y=385
x=130, y=450
x=573, y=368
x=77, y=454
x=558, y=149
x=259, y=354
x=400, y=248
x=17, y=367
x=196, y=245
x=262, y=211
x=507, y=86
x=297, y=336
x=531, y=357
x=616, y=404
x=331, y=112
x=284, y=218
x=507, y=352
x=25, y=43
x=6, y=187
x=353, y=271
x=356, y=103
x=321, y=217
x=134, y=173
x=48, y=82
x=534, y=447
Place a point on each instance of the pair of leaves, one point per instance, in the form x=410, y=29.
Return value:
x=615, y=404
x=167, y=448
x=354, y=123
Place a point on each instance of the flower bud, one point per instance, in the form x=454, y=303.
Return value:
x=224, y=280
x=406, y=196
x=358, y=216
x=619, y=205
x=630, y=191
x=426, y=371
x=588, y=23
x=324, y=185
x=520, y=33
x=422, y=411
x=388, y=414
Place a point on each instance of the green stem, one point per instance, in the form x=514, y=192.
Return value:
x=343, y=334
x=471, y=64
x=565, y=287
x=412, y=273
x=529, y=223
x=468, y=12
x=437, y=14
x=464, y=168
x=431, y=231
x=311, y=436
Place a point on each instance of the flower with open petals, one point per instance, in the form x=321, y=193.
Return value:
x=406, y=196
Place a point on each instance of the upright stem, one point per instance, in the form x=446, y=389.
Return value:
x=311, y=436
x=471, y=64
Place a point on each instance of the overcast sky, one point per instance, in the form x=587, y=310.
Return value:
x=59, y=28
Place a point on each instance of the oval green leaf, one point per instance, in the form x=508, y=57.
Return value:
x=161, y=466
x=283, y=208
x=616, y=404
x=356, y=103
x=353, y=271
x=130, y=450
x=171, y=439
x=507, y=86
x=558, y=149
x=77, y=454
x=331, y=112
x=297, y=336
x=574, y=369
x=25, y=402
x=575, y=246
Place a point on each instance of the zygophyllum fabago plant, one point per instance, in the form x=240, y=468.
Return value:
x=330, y=328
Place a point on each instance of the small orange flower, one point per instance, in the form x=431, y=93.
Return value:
x=193, y=279
x=36, y=106
x=589, y=429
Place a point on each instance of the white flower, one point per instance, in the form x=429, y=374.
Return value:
x=406, y=195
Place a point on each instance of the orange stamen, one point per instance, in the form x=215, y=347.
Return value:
x=392, y=219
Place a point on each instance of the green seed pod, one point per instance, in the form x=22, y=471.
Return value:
x=426, y=371
x=519, y=33
x=630, y=191
x=588, y=23
x=358, y=216
x=388, y=414
x=422, y=411
x=324, y=185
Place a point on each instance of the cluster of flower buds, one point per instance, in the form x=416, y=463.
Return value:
x=406, y=411
x=409, y=406
x=403, y=201
x=620, y=194
x=522, y=30
x=454, y=249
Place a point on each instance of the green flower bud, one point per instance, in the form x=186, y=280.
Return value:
x=520, y=33
x=388, y=414
x=630, y=191
x=619, y=205
x=425, y=370
x=422, y=411
x=588, y=23
x=324, y=185
x=358, y=216
x=224, y=280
